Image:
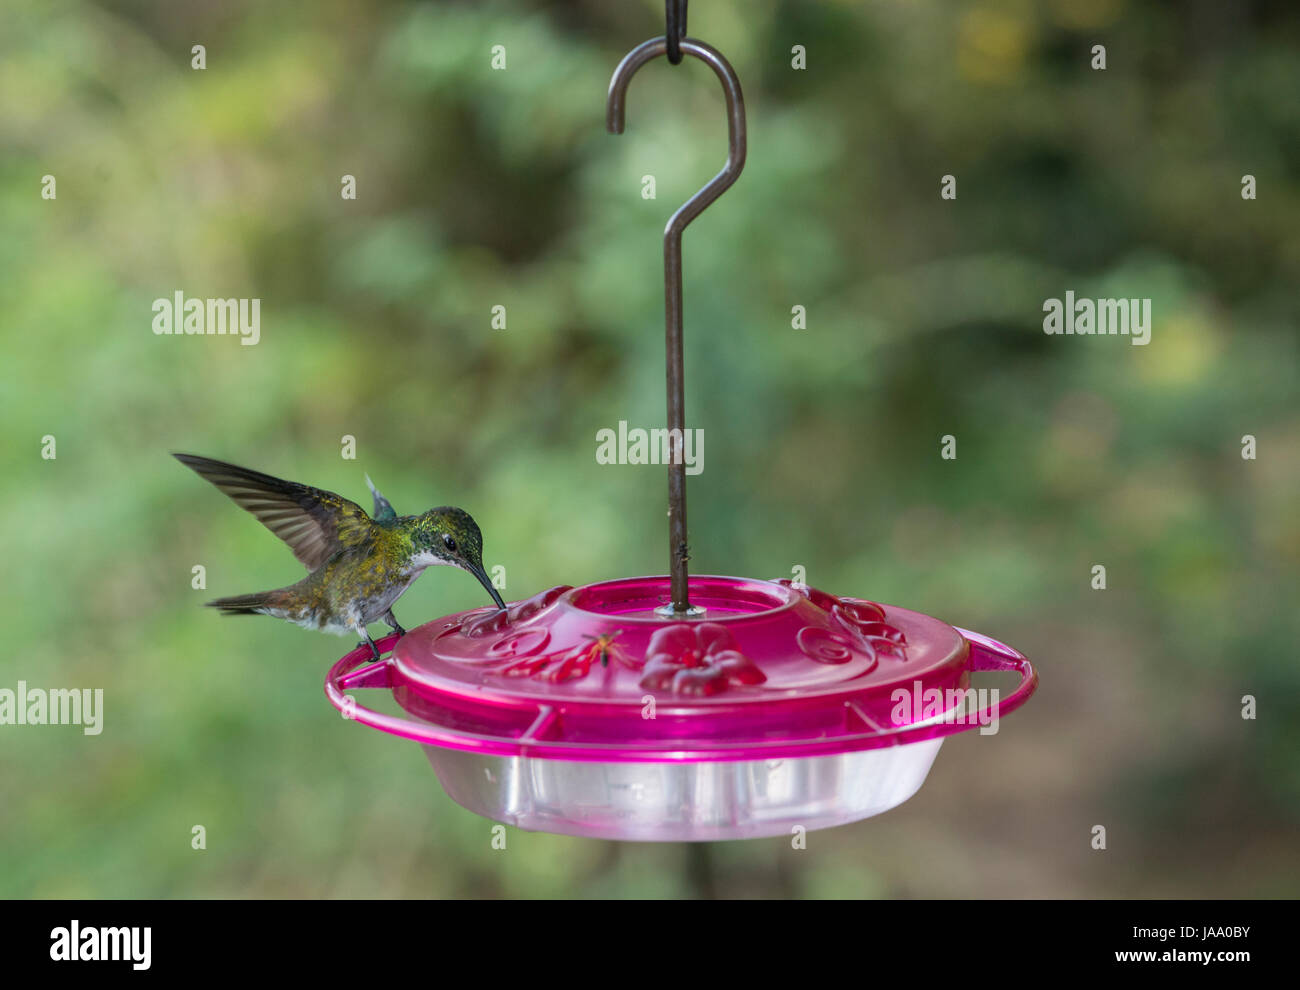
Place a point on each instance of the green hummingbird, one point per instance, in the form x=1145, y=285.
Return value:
x=360, y=565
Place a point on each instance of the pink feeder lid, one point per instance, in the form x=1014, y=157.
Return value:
x=770, y=670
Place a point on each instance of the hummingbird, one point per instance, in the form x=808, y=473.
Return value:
x=360, y=565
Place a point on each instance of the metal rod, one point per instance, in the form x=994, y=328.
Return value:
x=692, y=208
x=674, y=28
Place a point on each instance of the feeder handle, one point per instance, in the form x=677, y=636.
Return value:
x=352, y=671
x=988, y=654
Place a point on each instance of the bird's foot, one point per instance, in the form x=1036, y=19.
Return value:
x=390, y=620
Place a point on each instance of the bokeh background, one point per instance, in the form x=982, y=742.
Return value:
x=479, y=187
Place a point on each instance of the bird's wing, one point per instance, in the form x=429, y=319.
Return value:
x=384, y=511
x=315, y=523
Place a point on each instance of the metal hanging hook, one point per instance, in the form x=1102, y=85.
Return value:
x=692, y=208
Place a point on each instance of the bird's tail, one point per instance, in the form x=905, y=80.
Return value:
x=254, y=604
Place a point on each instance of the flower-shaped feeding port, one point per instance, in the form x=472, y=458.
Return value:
x=697, y=658
x=576, y=662
x=863, y=622
x=489, y=622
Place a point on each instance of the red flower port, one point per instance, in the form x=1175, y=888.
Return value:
x=489, y=621
x=696, y=659
x=576, y=662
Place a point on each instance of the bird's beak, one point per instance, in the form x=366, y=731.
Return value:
x=483, y=579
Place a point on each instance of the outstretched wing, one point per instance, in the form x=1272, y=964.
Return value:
x=315, y=523
x=384, y=511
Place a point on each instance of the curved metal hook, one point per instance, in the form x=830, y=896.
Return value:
x=736, y=146
x=688, y=211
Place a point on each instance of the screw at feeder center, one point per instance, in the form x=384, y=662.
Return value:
x=671, y=611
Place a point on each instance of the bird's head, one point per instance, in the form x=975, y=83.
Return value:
x=448, y=535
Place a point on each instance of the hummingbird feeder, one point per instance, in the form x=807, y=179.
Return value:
x=681, y=708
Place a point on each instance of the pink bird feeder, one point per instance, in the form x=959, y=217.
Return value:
x=678, y=707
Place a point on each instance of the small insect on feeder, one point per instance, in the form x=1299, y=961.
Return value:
x=676, y=708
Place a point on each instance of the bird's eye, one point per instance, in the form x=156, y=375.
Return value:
x=448, y=542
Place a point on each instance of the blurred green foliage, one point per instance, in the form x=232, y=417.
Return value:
x=479, y=187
